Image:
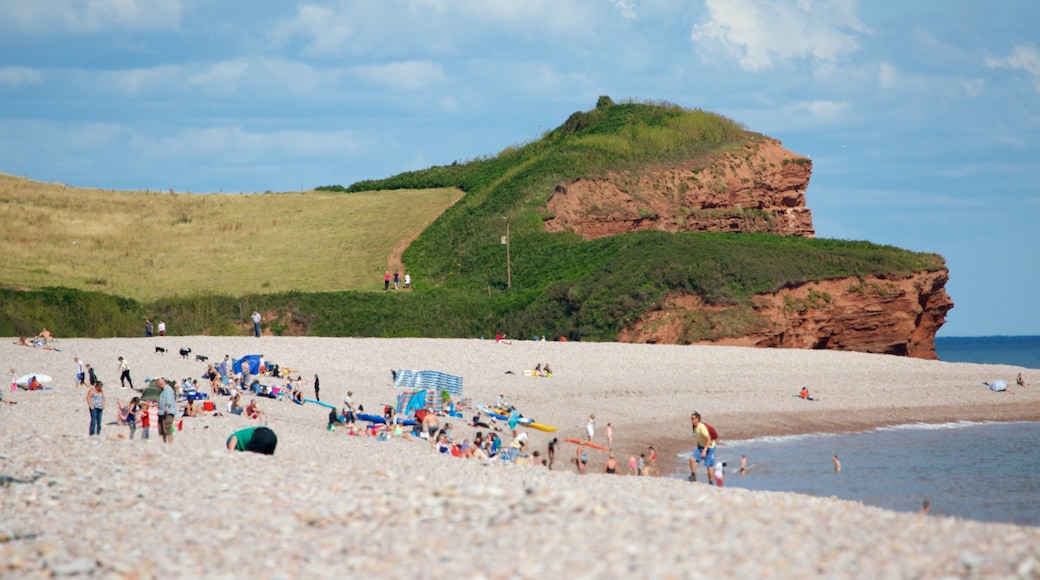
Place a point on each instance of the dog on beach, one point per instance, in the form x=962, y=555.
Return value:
x=201, y=358
x=185, y=352
x=160, y=350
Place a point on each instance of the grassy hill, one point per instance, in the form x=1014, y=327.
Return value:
x=560, y=283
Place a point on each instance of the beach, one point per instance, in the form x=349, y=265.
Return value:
x=327, y=503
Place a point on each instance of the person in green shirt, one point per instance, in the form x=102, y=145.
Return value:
x=255, y=439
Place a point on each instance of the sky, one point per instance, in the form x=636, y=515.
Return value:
x=922, y=118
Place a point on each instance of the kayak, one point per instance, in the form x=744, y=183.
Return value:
x=587, y=444
x=541, y=427
x=322, y=403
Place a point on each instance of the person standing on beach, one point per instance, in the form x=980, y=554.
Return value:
x=581, y=458
x=590, y=427
x=167, y=411
x=610, y=435
x=91, y=376
x=124, y=374
x=147, y=328
x=256, y=323
x=705, y=449
x=162, y=328
x=317, y=389
x=96, y=404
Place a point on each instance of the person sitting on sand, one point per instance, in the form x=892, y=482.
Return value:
x=253, y=411
x=1020, y=381
x=191, y=409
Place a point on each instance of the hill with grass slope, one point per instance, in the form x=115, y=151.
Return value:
x=653, y=223
x=642, y=222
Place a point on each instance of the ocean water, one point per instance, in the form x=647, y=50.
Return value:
x=1023, y=351
x=980, y=471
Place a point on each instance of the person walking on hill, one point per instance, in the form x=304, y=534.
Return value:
x=386, y=280
x=407, y=280
x=162, y=328
x=705, y=449
x=124, y=374
x=147, y=328
x=397, y=280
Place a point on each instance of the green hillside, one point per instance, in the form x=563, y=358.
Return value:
x=561, y=285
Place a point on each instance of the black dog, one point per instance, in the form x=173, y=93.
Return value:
x=185, y=352
x=201, y=358
x=160, y=350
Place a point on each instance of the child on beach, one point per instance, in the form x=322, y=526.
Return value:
x=719, y=473
x=632, y=465
x=610, y=435
x=132, y=411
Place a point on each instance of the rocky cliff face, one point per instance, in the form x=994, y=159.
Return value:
x=759, y=187
x=889, y=315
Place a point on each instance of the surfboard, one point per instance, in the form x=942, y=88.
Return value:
x=587, y=444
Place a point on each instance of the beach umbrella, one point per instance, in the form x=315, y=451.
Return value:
x=24, y=380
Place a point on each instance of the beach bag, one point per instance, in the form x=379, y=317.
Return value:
x=712, y=432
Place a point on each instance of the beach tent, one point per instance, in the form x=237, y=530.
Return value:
x=435, y=381
x=997, y=386
x=152, y=391
x=253, y=360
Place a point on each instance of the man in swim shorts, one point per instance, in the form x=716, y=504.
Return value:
x=705, y=449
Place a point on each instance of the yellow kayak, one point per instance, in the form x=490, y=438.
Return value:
x=541, y=427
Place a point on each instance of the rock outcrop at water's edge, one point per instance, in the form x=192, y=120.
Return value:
x=758, y=187
x=877, y=314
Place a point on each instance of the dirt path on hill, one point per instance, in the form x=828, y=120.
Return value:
x=393, y=261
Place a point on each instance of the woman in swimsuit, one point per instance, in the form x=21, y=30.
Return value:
x=611, y=465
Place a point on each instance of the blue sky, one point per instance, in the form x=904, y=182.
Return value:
x=922, y=118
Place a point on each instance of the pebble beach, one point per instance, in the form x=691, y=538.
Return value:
x=331, y=504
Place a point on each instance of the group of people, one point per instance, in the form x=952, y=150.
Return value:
x=149, y=328
x=42, y=340
x=396, y=278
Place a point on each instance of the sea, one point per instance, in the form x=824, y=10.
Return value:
x=988, y=472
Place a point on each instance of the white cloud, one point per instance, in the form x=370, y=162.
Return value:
x=89, y=16
x=413, y=75
x=270, y=77
x=1025, y=57
x=325, y=30
x=18, y=76
x=762, y=34
x=345, y=28
x=822, y=111
x=626, y=8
